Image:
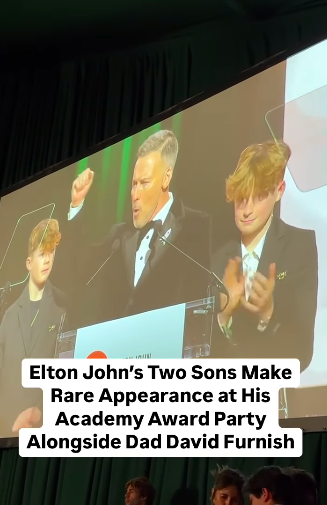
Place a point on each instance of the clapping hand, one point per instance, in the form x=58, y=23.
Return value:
x=234, y=282
x=261, y=300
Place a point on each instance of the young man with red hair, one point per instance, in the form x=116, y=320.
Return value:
x=271, y=271
x=29, y=329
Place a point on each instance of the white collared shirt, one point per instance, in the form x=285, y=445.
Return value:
x=250, y=263
x=143, y=251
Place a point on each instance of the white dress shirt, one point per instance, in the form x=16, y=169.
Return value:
x=143, y=251
x=250, y=263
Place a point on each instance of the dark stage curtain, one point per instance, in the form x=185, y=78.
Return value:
x=51, y=110
x=100, y=481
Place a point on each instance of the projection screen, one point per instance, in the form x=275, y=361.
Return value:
x=135, y=250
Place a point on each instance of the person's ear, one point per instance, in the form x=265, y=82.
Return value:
x=29, y=263
x=167, y=178
x=280, y=191
x=266, y=495
x=212, y=494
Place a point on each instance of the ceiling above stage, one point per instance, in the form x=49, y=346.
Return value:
x=55, y=22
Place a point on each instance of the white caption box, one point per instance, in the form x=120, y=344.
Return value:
x=168, y=408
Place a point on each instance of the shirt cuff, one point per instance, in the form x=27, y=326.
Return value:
x=226, y=329
x=73, y=211
x=262, y=325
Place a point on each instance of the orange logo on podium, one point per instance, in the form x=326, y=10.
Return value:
x=97, y=355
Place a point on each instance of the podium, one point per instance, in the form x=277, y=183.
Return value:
x=179, y=331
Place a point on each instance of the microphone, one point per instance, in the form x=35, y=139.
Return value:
x=214, y=278
x=115, y=247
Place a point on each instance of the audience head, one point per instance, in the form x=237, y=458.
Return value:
x=304, y=487
x=139, y=491
x=270, y=486
x=228, y=485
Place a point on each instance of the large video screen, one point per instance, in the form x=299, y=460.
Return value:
x=202, y=236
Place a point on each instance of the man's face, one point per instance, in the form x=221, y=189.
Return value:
x=39, y=265
x=252, y=215
x=151, y=179
x=227, y=496
x=133, y=497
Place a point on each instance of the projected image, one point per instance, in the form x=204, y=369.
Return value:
x=173, y=243
x=303, y=205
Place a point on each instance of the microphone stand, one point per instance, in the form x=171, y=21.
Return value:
x=4, y=299
x=114, y=248
x=283, y=407
x=214, y=279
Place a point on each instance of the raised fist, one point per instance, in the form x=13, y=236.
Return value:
x=81, y=187
x=27, y=419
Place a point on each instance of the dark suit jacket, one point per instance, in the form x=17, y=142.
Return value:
x=168, y=279
x=16, y=345
x=290, y=333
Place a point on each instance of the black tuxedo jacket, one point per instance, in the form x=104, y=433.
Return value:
x=16, y=345
x=169, y=278
x=290, y=333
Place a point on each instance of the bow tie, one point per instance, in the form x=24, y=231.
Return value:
x=143, y=231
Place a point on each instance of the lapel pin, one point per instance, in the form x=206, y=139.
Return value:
x=51, y=328
x=282, y=275
x=165, y=237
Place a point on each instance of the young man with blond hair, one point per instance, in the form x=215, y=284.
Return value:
x=271, y=272
x=30, y=326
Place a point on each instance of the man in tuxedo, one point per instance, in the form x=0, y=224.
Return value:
x=143, y=271
x=29, y=330
x=271, y=271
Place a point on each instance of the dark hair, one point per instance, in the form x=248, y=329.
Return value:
x=304, y=486
x=275, y=481
x=144, y=486
x=227, y=477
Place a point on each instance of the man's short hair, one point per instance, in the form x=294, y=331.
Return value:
x=260, y=169
x=145, y=488
x=275, y=481
x=164, y=142
x=304, y=485
x=45, y=236
x=226, y=477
